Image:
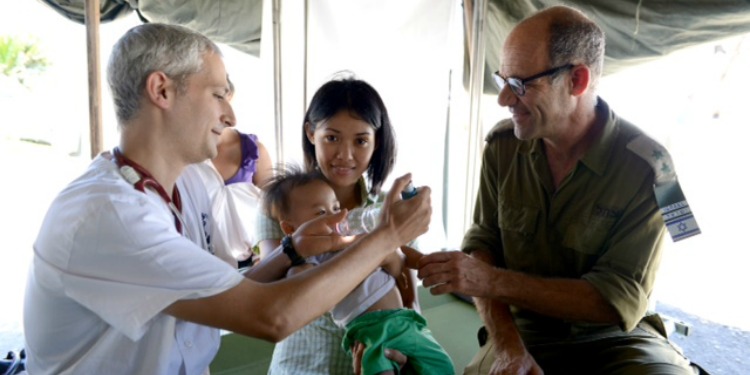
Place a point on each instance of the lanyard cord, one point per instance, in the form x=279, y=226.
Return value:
x=142, y=180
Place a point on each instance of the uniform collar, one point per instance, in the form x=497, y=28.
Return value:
x=601, y=149
x=597, y=157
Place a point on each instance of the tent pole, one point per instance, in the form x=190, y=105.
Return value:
x=476, y=87
x=278, y=123
x=305, y=30
x=469, y=25
x=95, y=96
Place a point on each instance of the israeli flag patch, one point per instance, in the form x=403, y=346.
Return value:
x=674, y=208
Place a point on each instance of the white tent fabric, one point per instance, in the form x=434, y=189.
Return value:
x=636, y=29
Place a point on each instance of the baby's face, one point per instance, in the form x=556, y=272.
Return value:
x=310, y=201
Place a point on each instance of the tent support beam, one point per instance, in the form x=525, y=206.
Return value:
x=476, y=87
x=278, y=119
x=95, y=95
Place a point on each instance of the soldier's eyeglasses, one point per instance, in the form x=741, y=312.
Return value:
x=518, y=85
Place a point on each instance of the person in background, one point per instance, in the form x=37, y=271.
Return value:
x=373, y=313
x=347, y=136
x=567, y=234
x=126, y=276
x=233, y=179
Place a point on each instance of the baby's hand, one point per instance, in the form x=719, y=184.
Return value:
x=318, y=236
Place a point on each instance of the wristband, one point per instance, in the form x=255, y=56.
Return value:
x=288, y=248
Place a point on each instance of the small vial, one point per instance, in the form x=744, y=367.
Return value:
x=364, y=219
x=409, y=191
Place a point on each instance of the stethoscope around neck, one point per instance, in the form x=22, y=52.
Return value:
x=141, y=180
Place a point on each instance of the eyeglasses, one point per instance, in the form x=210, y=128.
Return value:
x=518, y=85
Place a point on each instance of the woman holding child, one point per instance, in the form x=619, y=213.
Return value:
x=347, y=136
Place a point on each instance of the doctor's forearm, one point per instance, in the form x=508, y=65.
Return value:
x=271, y=268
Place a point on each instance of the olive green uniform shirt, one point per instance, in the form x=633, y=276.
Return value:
x=602, y=224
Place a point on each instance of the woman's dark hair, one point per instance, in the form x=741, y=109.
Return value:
x=361, y=101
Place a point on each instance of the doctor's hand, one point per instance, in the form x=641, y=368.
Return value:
x=318, y=236
x=406, y=219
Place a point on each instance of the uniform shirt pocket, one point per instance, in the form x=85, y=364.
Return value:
x=518, y=220
x=588, y=235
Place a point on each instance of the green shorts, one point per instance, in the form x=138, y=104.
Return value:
x=403, y=330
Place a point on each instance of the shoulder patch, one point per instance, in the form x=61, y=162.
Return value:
x=503, y=126
x=677, y=215
x=656, y=155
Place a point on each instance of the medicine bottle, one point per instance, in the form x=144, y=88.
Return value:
x=364, y=219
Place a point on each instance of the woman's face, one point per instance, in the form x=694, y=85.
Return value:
x=343, y=148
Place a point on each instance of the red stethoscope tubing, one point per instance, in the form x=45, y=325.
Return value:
x=147, y=181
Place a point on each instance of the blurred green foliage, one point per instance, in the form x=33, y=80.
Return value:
x=19, y=58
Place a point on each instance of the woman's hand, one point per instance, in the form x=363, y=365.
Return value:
x=358, y=349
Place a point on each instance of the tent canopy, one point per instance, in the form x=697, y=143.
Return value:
x=636, y=30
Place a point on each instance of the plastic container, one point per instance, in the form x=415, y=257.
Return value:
x=364, y=219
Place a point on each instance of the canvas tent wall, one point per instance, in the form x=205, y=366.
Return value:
x=637, y=30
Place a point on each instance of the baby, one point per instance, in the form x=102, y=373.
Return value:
x=373, y=313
